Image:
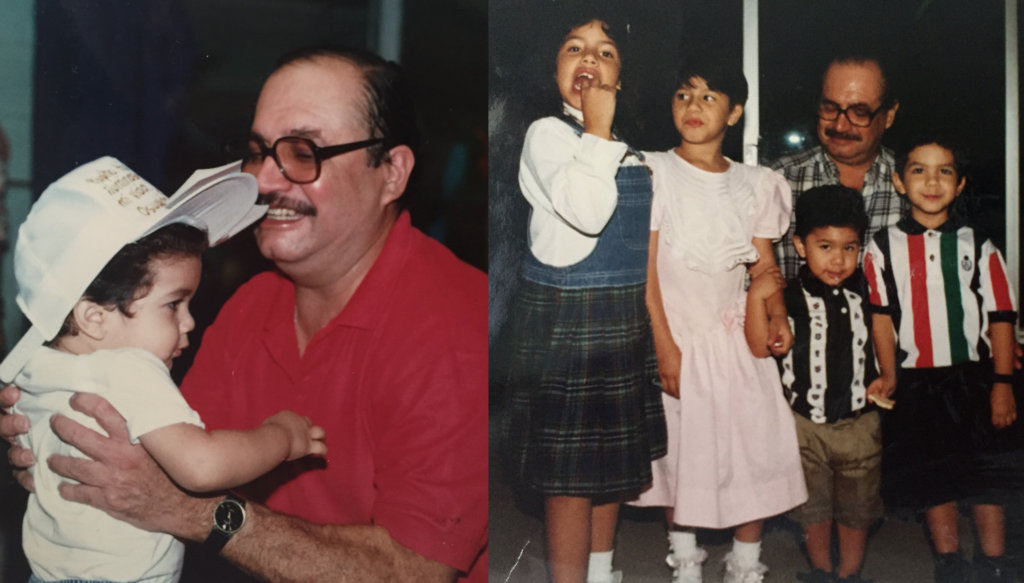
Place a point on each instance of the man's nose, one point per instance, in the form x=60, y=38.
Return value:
x=269, y=177
x=843, y=123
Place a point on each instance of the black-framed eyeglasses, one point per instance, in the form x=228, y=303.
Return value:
x=859, y=115
x=297, y=158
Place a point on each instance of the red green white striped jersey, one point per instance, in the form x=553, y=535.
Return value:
x=942, y=287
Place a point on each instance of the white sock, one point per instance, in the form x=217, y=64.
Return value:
x=746, y=555
x=599, y=569
x=683, y=543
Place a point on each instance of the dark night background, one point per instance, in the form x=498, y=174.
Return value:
x=945, y=62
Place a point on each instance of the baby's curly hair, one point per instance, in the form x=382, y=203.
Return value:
x=129, y=275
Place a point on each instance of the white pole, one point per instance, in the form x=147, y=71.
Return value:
x=389, y=44
x=1012, y=151
x=751, y=113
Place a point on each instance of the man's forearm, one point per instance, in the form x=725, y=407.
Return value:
x=281, y=548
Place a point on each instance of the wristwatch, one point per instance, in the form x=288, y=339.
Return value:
x=228, y=518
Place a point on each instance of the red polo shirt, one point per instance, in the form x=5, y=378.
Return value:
x=398, y=380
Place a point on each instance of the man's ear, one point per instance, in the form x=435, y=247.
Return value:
x=92, y=319
x=398, y=171
x=890, y=115
x=799, y=244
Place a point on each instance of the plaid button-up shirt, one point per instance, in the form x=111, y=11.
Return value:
x=811, y=168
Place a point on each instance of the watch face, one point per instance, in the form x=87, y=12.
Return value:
x=229, y=516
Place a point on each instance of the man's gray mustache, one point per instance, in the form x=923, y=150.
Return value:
x=842, y=136
x=275, y=200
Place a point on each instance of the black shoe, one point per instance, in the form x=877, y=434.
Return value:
x=816, y=576
x=853, y=579
x=991, y=570
x=952, y=568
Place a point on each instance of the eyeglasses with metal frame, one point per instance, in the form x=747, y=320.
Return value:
x=858, y=114
x=298, y=159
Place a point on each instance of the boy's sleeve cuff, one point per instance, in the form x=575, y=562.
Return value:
x=1003, y=316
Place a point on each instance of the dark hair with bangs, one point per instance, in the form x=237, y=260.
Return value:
x=721, y=75
x=129, y=275
x=618, y=33
x=833, y=205
x=940, y=139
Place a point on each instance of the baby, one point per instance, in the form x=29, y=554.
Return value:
x=106, y=266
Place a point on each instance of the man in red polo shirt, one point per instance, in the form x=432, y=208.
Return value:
x=368, y=327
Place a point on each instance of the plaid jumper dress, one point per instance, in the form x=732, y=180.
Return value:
x=587, y=416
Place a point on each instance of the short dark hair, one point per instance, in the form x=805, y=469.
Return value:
x=924, y=138
x=833, y=205
x=721, y=75
x=864, y=58
x=129, y=275
x=390, y=108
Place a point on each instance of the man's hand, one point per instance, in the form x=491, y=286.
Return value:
x=11, y=426
x=780, y=337
x=304, y=437
x=120, y=479
x=1004, y=407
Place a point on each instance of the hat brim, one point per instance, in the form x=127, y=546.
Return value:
x=221, y=201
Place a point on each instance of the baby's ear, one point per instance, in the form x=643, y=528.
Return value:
x=91, y=319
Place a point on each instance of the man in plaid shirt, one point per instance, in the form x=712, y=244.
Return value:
x=855, y=109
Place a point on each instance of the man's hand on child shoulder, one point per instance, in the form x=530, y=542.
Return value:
x=305, y=438
x=11, y=426
x=1004, y=407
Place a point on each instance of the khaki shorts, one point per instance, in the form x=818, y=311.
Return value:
x=842, y=467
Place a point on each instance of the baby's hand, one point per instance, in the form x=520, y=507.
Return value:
x=1004, y=407
x=766, y=284
x=304, y=437
x=598, y=108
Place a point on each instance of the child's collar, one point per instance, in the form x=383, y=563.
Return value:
x=816, y=287
x=572, y=112
x=911, y=227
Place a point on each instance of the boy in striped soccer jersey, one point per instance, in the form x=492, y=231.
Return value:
x=942, y=288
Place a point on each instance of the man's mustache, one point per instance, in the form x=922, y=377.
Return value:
x=832, y=133
x=275, y=200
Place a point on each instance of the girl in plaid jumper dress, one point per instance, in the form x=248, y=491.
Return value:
x=587, y=419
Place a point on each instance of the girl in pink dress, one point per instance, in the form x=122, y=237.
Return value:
x=733, y=459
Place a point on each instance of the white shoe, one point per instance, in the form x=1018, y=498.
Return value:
x=736, y=574
x=687, y=570
x=615, y=577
